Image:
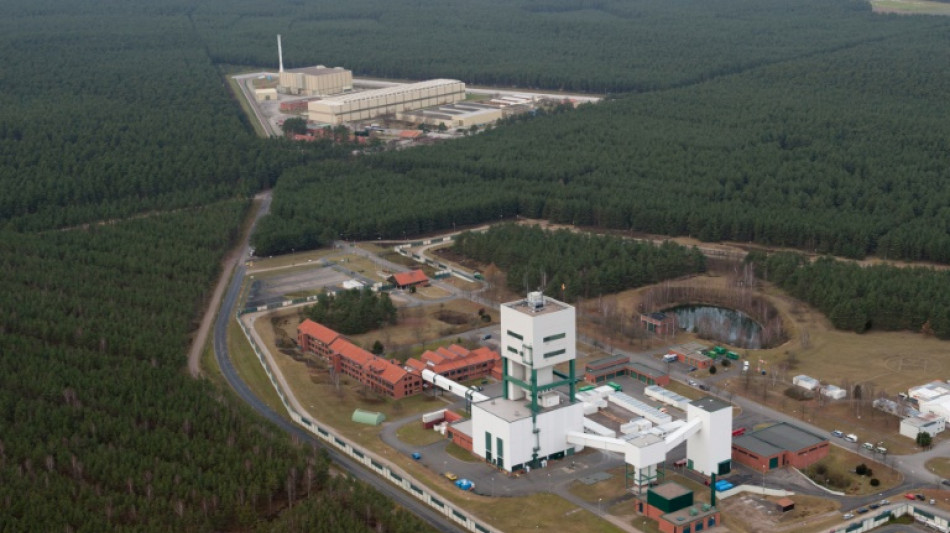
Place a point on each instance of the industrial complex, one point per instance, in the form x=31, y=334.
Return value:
x=367, y=105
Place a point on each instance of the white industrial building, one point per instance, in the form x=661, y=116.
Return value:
x=933, y=397
x=535, y=421
x=529, y=424
x=367, y=105
x=924, y=423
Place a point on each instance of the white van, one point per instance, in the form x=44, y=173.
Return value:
x=881, y=450
x=868, y=446
x=851, y=437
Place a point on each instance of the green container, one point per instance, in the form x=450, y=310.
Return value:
x=733, y=355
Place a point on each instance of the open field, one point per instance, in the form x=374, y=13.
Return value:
x=752, y=513
x=418, y=325
x=841, y=463
x=417, y=435
x=910, y=7
x=249, y=368
x=289, y=260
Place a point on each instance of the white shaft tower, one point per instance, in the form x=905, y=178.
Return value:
x=280, y=54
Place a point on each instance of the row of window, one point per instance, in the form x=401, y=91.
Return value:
x=550, y=338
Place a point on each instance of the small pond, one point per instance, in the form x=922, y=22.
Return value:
x=720, y=324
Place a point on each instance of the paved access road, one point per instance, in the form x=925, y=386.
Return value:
x=225, y=315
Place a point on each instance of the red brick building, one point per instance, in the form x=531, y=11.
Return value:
x=388, y=377
x=671, y=506
x=380, y=375
x=779, y=445
x=692, y=354
x=457, y=363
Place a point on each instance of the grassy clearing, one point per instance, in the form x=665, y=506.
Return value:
x=419, y=325
x=415, y=434
x=290, y=260
x=940, y=466
x=542, y=512
x=249, y=368
x=748, y=513
x=685, y=390
x=836, y=472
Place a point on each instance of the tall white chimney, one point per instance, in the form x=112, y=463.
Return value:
x=280, y=53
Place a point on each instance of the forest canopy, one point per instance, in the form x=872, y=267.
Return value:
x=584, y=265
x=354, y=311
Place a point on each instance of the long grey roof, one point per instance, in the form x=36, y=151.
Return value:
x=777, y=438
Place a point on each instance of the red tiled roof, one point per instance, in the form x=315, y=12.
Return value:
x=387, y=371
x=415, y=365
x=410, y=134
x=459, y=350
x=449, y=354
x=408, y=278
x=436, y=358
x=351, y=351
x=318, y=331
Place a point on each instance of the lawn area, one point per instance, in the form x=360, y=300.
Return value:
x=249, y=368
x=685, y=390
x=751, y=513
x=541, y=512
x=836, y=472
x=415, y=434
x=422, y=325
x=940, y=466
x=290, y=260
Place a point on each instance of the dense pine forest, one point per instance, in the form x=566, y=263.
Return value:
x=844, y=152
x=125, y=169
x=584, y=265
x=860, y=298
x=126, y=165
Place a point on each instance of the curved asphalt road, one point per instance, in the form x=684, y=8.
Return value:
x=436, y=520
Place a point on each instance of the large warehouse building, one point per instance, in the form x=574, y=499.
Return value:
x=779, y=445
x=315, y=81
x=391, y=100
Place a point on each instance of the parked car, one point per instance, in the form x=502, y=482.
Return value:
x=837, y=433
x=946, y=482
x=884, y=502
x=868, y=446
x=862, y=510
x=920, y=497
x=909, y=496
x=848, y=516
x=874, y=506
x=451, y=476
x=486, y=336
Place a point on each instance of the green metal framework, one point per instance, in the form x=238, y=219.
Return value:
x=534, y=390
x=635, y=479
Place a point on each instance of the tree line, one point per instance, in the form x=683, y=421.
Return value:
x=572, y=265
x=863, y=298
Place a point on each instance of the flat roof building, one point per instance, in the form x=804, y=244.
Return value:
x=779, y=445
x=387, y=101
x=315, y=81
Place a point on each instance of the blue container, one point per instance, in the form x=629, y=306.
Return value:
x=416, y=455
